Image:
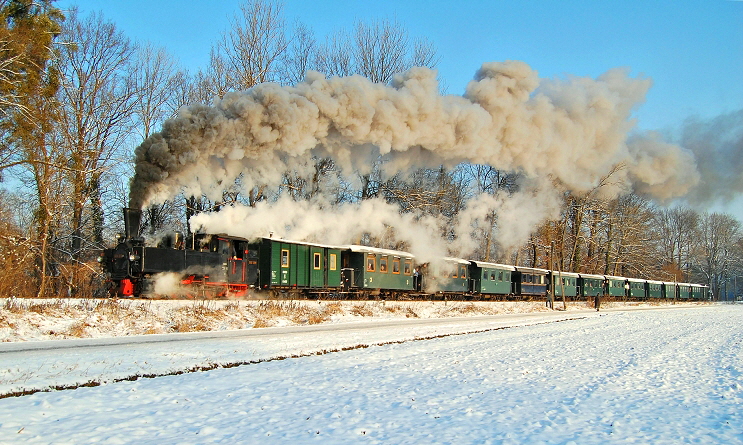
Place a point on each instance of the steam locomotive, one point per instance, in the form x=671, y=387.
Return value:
x=218, y=265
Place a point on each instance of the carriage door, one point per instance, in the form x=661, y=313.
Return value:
x=317, y=267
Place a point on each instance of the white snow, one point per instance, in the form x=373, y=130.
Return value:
x=660, y=376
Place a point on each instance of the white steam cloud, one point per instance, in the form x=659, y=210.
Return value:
x=718, y=146
x=571, y=132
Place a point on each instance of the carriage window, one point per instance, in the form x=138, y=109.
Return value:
x=318, y=261
x=408, y=267
x=284, y=257
x=371, y=263
x=500, y=275
x=463, y=271
x=333, y=261
x=383, y=264
x=492, y=276
x=396, y=265
x=454, y=274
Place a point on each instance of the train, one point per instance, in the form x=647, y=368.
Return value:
x=220, y=265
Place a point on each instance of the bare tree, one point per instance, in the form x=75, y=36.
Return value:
x=334, y=57
x=719, y=235
x=424, y=53
x=300, y=55
x=677, y=230
x=301, y=186
x=626, y=244
x=99, y=96
x=255, y=44
x=380, y=50
x=155, y=80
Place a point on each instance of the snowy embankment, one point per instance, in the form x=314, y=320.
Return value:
x=662, y=376
x=33, y=319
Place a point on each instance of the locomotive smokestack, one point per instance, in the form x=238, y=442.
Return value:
x=132, y=219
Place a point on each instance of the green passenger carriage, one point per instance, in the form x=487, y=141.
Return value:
x=565, y=284
x=453, y=279
x=684, y=291
x=699, y=292
x=637, y=288
x=616, y=286
x=669, y=290
x=491, y=278
x=591, y=285
x=287, y=264
x=377, y=269
x=654, y=289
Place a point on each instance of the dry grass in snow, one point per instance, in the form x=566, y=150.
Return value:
x=32, y=319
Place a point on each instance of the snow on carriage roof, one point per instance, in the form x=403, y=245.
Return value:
x=367, y=249
x=593, y=276
x=494, y=265
x=456, y=260
x=270, y=238
x=565, y=274
x=532, y=270
x=614, y=277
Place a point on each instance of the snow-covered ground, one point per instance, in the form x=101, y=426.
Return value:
x=34, y=319
x=660, y=376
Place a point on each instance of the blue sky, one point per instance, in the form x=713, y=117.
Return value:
x=691, y=49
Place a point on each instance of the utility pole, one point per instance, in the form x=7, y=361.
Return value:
x=551, y=301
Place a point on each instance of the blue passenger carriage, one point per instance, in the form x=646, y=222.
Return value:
x=531, y=282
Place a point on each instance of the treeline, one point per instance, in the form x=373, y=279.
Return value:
x=77, y=95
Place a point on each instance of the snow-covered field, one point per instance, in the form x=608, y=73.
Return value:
x=660, y=376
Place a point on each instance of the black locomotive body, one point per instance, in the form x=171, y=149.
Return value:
x=210, y=265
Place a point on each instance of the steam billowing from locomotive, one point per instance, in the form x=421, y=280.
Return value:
x=560, y=134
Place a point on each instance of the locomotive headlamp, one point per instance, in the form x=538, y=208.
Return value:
x=99, y=259
x=133, y=257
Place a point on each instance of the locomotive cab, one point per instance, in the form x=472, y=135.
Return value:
x=208, y=265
